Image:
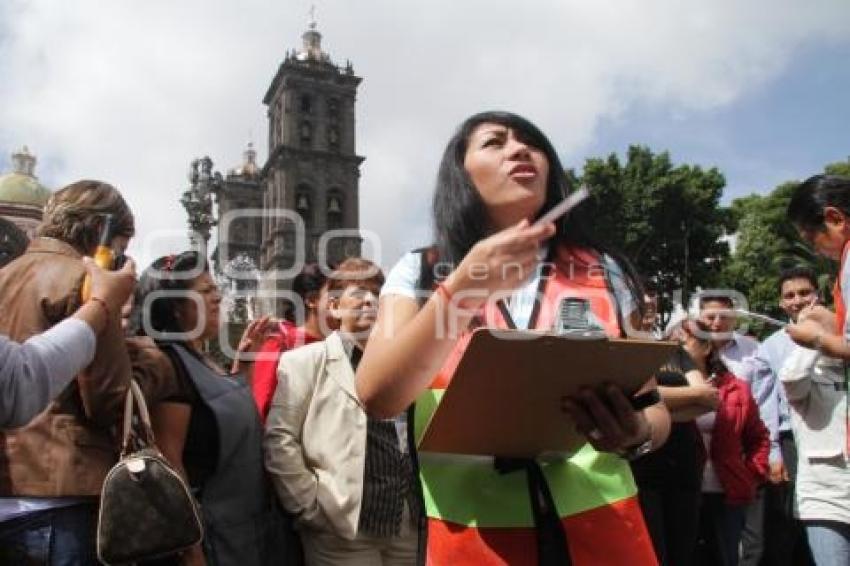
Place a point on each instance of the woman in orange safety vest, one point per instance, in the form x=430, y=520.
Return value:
x=499, y=174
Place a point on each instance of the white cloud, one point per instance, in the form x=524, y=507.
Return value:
x=130, y=92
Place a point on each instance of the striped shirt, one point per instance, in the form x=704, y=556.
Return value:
x=389, y=481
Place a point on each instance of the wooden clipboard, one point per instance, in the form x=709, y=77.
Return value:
x=505, y=396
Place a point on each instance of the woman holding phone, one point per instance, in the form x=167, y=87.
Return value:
x=498, y=175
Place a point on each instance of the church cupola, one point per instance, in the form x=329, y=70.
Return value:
x=312, y=42
x=23, y=162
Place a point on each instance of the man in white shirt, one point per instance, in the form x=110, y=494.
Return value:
x=785, y=541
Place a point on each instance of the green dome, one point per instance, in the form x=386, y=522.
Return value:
x=18, y=188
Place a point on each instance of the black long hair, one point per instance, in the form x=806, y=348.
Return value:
x=805, y=209
x=460, y=215
x=168, y=273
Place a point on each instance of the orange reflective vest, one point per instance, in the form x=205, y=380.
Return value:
x=478, y=516
x=838, y=295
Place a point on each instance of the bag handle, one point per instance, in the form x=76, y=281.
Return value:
x=135, y=397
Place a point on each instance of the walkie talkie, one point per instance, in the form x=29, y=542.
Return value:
x=574, y=319
x=104, y=256
x=572, y=315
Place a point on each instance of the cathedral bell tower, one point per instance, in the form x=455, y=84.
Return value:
x=312, y=168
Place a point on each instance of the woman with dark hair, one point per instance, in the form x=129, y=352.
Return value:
x=210, y=428
x=314, y=325
x=499, y=174
x=736, y=444
x=669, y=480
x=820, y=210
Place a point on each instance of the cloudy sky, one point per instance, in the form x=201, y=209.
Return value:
x=130, y=91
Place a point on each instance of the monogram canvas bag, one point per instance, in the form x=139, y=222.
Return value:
x=146, y=508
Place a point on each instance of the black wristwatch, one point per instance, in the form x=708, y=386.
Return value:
x=644, y=400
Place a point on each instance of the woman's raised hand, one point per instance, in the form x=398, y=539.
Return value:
x=501, y=262
x=252, y=339
x=255, y=334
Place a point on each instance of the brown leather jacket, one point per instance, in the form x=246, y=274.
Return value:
x=67, y=449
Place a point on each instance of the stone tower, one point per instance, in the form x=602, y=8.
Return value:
x=313, y=168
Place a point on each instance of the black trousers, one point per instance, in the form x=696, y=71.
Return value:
x=720, y=527
x=672, y=518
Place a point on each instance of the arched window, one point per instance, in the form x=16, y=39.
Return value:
x=305, y=133
x=333, y=108
x=333, y=136
x=306, y=104
x=304, y=204
x=336, y=209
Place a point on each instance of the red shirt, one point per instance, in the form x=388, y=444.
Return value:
x=286, y=338
x=740, y=443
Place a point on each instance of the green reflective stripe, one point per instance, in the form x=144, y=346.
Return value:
x=469, y=491
x=424, y=408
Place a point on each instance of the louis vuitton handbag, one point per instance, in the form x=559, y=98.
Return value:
x=146, y=508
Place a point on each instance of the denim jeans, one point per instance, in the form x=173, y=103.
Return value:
x=830, y=542
x=55, y=537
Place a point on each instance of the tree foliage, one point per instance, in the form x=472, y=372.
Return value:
x=838, y=168
x=767, y=243
x=666, y=218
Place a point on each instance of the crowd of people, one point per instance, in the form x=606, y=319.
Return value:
x=303, y=450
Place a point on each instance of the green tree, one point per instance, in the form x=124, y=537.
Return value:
x=665, y=218
x=838, y=168
x=766, y=243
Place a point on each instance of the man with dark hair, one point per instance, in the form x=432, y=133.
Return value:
x=309, y=286
x=785, y=543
